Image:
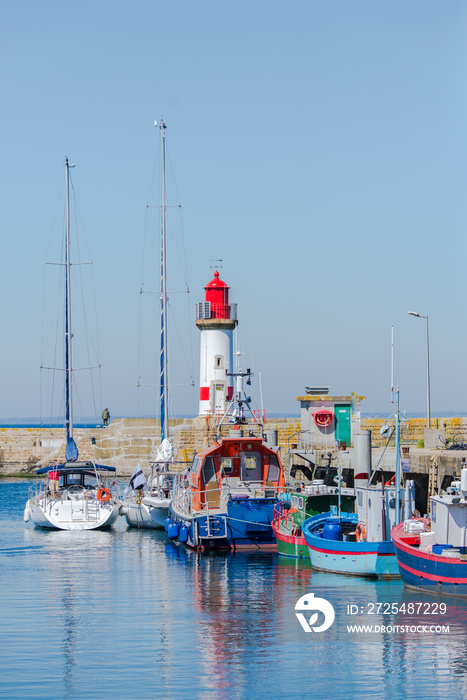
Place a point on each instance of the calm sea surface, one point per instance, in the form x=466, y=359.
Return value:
x=126, y=614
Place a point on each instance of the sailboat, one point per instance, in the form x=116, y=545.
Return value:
x=75, y=495
x=148, y=506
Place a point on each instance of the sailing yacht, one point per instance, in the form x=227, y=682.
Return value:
x=75, y=495
x=148, y=506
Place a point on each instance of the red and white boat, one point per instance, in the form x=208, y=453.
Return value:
x=432, y=553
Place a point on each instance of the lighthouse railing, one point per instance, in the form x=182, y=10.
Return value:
x=209, y=309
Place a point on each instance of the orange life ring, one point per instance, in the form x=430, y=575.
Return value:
x=103, y=495
x=323, y=417
x=360, y=533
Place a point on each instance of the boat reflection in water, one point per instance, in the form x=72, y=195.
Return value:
x=127, y=613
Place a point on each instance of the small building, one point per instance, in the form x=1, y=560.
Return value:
x=328, y=421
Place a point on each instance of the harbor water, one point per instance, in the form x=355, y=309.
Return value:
x=125, y=613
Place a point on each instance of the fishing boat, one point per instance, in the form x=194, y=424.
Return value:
x=75, y=495
x=146, y=502
x=226, y=499
x=359, y=543
x=432, y=552
x=290, y=514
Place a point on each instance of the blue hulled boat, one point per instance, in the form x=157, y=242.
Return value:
x=432, y=554
x=335, y=544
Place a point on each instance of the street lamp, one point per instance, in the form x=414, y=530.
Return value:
x=414, y=313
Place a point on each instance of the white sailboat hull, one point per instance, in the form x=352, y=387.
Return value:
x=150, y=513
x=77, y=514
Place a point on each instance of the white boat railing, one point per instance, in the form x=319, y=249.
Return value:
x=43, y=495
x=183, y=496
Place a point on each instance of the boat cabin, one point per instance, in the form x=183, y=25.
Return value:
x=236, y=468
x=74, y=477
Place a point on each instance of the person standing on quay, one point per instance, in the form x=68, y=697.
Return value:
x=105, y=417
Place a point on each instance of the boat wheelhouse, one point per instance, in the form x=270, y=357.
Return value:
x=227, y=498
x=302, y=504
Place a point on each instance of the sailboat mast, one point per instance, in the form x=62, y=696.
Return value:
x=68, y=336
x=164, y=409
x=398, y=461
x=395, y=399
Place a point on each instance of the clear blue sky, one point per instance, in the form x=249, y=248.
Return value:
x=318, y=149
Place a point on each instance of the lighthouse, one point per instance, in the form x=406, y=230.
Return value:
x=216, y=319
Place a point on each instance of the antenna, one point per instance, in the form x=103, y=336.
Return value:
x=261, y=393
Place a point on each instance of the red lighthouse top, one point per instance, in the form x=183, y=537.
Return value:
x=217, y=293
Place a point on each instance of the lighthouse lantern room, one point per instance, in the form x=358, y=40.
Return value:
x=216, y=319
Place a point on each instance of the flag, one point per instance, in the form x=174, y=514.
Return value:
x=137, y=481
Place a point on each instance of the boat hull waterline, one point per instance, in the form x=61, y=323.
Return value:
x=149, y=513
x=76, y=514
x=429, y=572
x=244, y=525
x=367, y=559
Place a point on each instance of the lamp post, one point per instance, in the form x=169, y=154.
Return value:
x=414, y=313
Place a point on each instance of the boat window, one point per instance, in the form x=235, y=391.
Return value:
x=251, y=466
x=273, y=470
x=360, y=498
x=300, y=503
x=294, y=502
x=195, y=465
x=73, y=479
x=91, y=481
x=209, y=470
x=226, y=464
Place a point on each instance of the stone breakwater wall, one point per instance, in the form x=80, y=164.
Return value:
x=413, y=429
x=127, y=441
x=23, y=450
x=122, y=444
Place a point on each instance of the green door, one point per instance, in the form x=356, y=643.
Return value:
x=342, y=414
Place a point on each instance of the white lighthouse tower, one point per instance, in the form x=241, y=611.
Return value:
x=216, y=320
